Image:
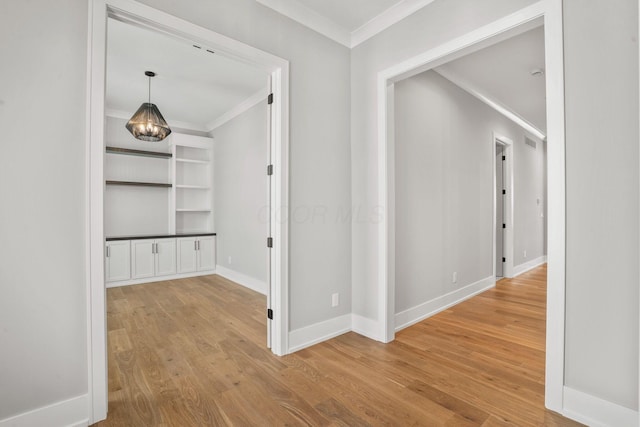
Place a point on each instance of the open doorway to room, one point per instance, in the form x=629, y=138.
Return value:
x=189, y=218
x=438, y=175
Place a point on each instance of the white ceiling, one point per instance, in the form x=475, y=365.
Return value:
x=349, y=22
x=502, y=73
x=192, y=87
x=350, y=14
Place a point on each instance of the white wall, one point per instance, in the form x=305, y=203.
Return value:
x=42, y=215
x=444, y=194
x=601, y=69
x=135, y=210
x=240, y=192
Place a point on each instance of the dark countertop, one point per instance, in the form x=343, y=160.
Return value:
x=157, y=236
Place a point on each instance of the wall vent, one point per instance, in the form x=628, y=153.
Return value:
x=530, y=142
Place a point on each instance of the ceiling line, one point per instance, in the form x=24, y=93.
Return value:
x=245, y=105
x=500, y=108
x=338, y=33
x=121, y=114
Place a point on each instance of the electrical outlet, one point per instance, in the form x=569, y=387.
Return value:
x=229, y=260
x=335, y=299
x=524, y=254
x=454, y=277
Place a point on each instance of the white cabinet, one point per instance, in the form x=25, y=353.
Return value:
x=151, y=258
x=196, y=254
x=117, y=261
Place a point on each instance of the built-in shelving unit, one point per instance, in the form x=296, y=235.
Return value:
x=193, y=182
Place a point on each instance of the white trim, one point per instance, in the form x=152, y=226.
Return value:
x=329, y=28
x=121, y=114
x=242, y=279
x=500, y=108
x=245, y=105
x=155, y=279
x=596, y=412
x=508, y=211
x=139, y=14
x=550, y=11
x=310, y=18
x=529, y=265
x=366, y=327
x=68, y=413
x=416, y=314
x=394, y=14
x=318, y=332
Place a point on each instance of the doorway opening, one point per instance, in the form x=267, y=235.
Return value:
x=503, y=206
x=189, y=153
x=543, y=13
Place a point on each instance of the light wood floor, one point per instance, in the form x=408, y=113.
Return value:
x=192, y=352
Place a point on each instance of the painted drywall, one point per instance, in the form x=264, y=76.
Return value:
x=135, y=210
x=444, y=196
x=43, y=324
x=320, y=155
x=431, y=26
x=601, y=69
x=240, y=192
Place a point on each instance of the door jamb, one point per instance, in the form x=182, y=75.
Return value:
x=550, y=13
x=278, y=68
x=508, y=207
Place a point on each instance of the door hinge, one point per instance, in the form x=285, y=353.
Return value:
x=269, y=170
x=269, y=242
x=504, y=191
x=270, y=99
x=504, y=157
x=504, y=225
x=504, y=259
x=269, y=314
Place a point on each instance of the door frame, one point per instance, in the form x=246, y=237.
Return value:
x=278, y=68
x=549, y=14
x=507, y=246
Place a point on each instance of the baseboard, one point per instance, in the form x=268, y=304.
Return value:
x=366, y=327
x=318, y=332
x=596, y=412
x=242, y=279
x=427, y=309
x=529, y=265
x=68, y=413
x=159, y=278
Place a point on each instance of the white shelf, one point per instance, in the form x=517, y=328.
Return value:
x=193, y=210
x=201, y=162
x=194, y=187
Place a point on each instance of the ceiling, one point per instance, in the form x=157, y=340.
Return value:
x=349, y=22
x=350, y=14
x=192, y=88
x=502, y=74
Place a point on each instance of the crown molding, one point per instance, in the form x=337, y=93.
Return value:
x=310, y=18
x=126, y=115
x=253, y=100
x=336, y=32
x=386, y=19
x=500, y=108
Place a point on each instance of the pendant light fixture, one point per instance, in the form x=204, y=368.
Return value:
x=147, y=124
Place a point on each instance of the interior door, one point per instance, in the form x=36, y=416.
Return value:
x=270, y=182
x=500, y=197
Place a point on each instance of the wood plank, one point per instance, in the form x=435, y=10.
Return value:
x=191, y=352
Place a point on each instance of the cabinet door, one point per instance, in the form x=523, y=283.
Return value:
x=165, y=257
x=206, y=253
x=186, y=254
x=118, y=261
x=142, y=259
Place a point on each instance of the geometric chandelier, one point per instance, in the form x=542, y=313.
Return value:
x=147, y=124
